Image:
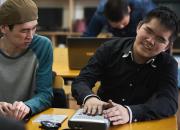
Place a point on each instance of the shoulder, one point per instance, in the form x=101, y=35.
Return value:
x=142, y=5
x=41, y=46
x=39, y=39
x=166, y=59
x=40, y=42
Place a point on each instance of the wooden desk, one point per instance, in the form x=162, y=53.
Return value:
x=35, y=126
x=164, y=124
x=61, y=64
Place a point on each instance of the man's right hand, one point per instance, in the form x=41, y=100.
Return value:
x=6, y=109
x=94, y=106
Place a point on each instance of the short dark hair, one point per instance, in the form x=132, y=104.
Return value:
x=167, y=18
x=115, y=10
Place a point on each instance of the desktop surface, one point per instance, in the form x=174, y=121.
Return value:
x=61, y=64
x=163, y=124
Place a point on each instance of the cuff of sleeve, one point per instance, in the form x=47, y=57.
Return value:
x=130, y=114
x=88, y=96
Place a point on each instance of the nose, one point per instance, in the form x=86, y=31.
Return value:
x=151, y=40
x=121, y=26
x=118, y=25
x=30, y=34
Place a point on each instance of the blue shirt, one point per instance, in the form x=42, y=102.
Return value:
x=99, y=23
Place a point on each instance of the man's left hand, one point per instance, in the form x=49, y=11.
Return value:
x=117, y=114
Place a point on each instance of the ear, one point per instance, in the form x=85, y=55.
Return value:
x=139, y=26
x=129, y=9
x=4, y=29
x=169, y=47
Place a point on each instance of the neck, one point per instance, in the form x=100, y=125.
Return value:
x=138, y=59
x=8, y=48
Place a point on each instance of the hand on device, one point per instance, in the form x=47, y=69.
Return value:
x=117, y=114
x=93, y=106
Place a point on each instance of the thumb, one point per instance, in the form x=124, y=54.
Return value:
x=112, y=103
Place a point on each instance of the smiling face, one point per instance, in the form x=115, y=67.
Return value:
x=152, y=38
x=21, y=35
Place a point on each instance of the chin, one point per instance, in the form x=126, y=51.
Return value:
x=144, y=54
x=24, y=47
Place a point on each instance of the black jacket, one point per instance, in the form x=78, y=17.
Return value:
x=150, y=90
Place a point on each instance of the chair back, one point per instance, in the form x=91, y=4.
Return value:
x=58, y=82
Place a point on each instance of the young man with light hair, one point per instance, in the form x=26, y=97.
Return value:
x=26, y=61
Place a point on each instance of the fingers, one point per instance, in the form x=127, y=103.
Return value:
x=90, y=109
x=100, y=109
x=20, y=110
x=116, y=120
x=108, y=105
x=112, y=103
x=5, y=109
x=85, y=108
x=93, y=106
x=117, y=114
x=93, y=110
x=2, y=112
x=111, y=112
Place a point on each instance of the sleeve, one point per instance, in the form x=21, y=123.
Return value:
x=164, y=102
x=90, y=74
x=43, y=93
x=95, y=25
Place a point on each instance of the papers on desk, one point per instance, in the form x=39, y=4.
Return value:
x=52, y=118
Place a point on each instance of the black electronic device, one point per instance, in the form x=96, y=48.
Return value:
x=48, y=125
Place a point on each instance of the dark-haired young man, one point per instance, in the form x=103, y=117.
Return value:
x=118, y=17
x=138, y=78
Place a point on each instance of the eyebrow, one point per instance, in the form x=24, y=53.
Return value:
x=29, y=28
